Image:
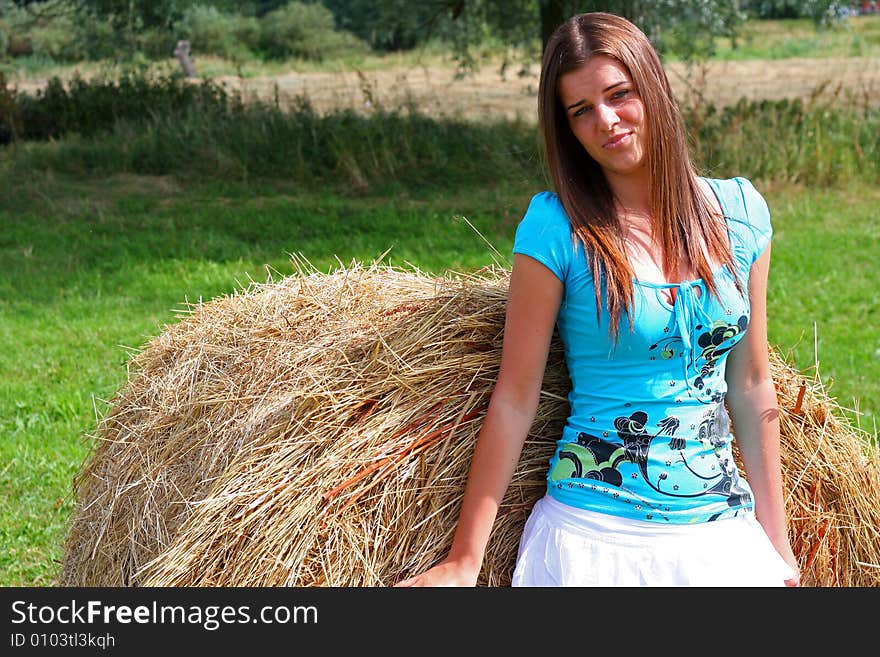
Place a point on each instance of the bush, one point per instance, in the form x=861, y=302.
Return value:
x=306, y=32
x=64, y=33
x=14, y=40
x=211, y=31
x=97, y=38
x=92, y=107
x=152, y=44
x=57, y=40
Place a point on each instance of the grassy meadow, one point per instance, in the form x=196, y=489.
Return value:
x=105, y=237
x=856, y=36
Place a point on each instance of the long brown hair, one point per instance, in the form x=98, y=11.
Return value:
x=681, y=215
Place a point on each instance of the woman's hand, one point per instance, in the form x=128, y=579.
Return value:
x=446, y=573
x=787, y=554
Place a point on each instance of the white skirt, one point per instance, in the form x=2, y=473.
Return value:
x=565, y=546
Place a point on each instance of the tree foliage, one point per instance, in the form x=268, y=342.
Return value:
x=821, y=11
x=389, y=25
x=690, y=28
x=62, y=29
x=136, y=14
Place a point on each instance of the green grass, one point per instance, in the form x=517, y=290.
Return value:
x=95, y=267
x=857, y=36
x=825, y=273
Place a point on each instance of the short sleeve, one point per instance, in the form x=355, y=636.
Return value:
x=758, y=231
x=544, y=233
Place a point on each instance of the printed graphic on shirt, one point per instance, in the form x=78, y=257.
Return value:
x=716, y=342
x=665, y=461
x=712, y=344
x=590, y=458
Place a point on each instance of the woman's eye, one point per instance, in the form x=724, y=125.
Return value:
x=580, y=111
x=618, y=95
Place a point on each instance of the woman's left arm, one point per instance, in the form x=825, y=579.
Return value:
x=754, y=410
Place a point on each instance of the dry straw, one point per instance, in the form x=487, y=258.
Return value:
x=317, y=431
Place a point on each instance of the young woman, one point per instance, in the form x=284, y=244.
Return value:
x=656, y=279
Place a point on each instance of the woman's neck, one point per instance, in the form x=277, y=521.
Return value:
x=632, y=192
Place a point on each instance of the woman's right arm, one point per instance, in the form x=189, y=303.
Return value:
x=533, y=300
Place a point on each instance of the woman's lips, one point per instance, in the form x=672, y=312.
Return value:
x=617, y=141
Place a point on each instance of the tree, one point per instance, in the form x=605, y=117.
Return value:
x=137, y=14
x=389, y=24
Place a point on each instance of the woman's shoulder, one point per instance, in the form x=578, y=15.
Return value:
x=739, y=198
x=746, y=212
x=546, y=213
x=544, y=233
x=546, y=201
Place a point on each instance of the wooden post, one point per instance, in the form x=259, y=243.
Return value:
x=181, y=51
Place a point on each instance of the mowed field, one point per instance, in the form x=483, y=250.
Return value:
x=493, y=92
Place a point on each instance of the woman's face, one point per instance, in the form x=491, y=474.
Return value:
x=606, y=115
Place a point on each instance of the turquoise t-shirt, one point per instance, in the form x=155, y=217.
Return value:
x=648, y=436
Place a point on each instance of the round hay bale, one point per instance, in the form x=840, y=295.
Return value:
x=317, y=431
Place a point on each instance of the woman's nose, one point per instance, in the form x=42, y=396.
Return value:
x=606, y=116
